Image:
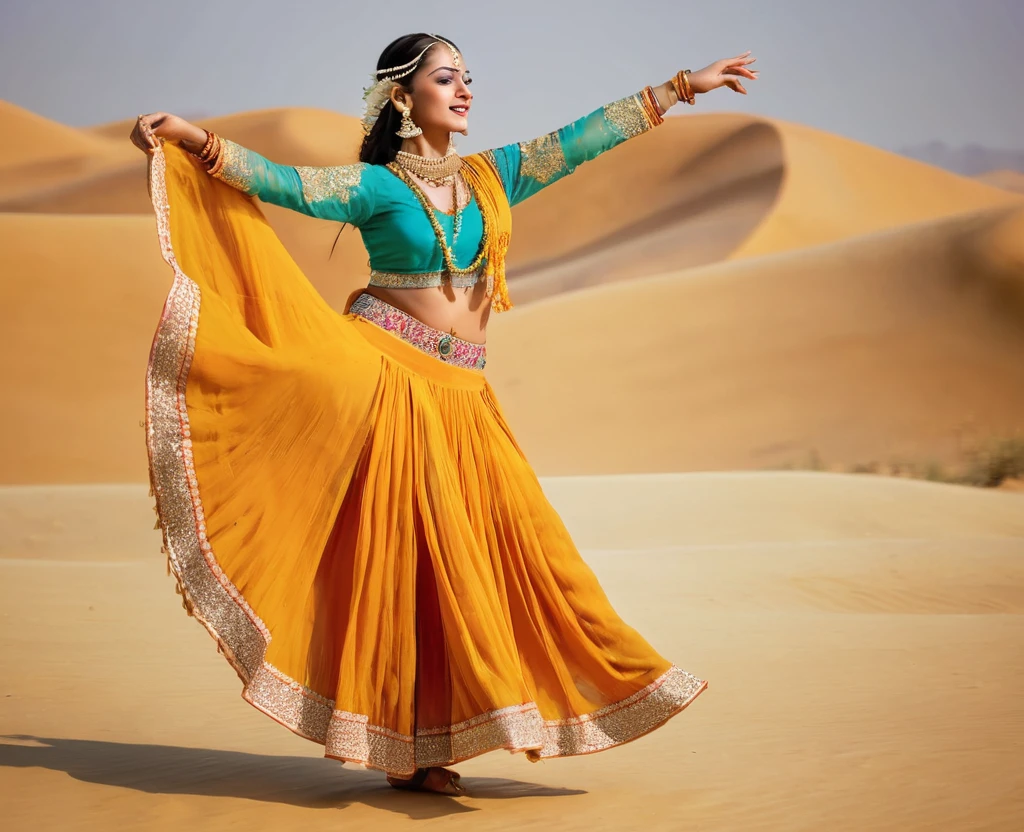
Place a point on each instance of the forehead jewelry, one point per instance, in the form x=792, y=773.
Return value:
x=451, y=47
x=383, y=81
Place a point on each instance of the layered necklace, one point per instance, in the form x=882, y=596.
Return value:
x=440, y=171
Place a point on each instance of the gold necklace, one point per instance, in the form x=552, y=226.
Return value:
x=428, y=206
x=436, y=171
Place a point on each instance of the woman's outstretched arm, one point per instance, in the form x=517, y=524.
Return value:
x=528, y=167
x=334, y=193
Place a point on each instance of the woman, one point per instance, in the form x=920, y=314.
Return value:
x=342, y=502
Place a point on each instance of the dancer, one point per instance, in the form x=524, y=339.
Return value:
x=343, y=504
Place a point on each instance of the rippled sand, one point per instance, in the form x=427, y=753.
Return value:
x=861, y=636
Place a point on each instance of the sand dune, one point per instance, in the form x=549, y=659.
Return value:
x=39, y=154
x=290, y=136
x=81, y=299
x=700, y=189
x=897, y=345
x=690, y=194
x=797, y=293
x=836, y=188
x=29, y=138
x=860, y=634
x=1010, y=180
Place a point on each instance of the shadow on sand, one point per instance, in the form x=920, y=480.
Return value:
x=299, y=781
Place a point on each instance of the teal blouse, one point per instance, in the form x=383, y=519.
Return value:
x=401, y=243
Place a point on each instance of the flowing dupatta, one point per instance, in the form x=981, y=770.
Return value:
x=353, y=522
x=222, y=397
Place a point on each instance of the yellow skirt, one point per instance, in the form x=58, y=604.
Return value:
x=354, y=523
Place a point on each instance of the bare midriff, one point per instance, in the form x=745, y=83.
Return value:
x=462, y=312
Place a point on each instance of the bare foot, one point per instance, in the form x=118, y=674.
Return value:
x=433, y=779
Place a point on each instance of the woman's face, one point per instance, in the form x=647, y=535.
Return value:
x=440, y=98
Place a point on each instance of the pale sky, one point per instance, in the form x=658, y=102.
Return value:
x=886, y=72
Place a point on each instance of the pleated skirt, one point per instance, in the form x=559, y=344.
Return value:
x=355, y=524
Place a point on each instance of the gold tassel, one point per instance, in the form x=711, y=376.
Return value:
x=501, y=301
x=486, y=183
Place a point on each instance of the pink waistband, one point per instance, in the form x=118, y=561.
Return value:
x=432, y=341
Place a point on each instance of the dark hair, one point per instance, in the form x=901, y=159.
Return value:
x=381, y=144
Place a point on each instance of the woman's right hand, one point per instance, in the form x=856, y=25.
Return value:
x=150, y=130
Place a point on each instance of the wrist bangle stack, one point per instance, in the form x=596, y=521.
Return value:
x=205, y=152
x=211, y=150
x=652, y=108
x=681, y=84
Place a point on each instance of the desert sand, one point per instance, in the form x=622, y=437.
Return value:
x=861, y=637
x=722, y=296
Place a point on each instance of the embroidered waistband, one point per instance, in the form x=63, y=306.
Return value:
x=421, y=280
x=432, y=341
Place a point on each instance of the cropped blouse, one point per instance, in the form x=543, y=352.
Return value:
x=400, y=240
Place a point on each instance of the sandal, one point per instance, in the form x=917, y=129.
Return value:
x=434, y=779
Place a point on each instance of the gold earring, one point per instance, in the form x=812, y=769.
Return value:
x=407, y=129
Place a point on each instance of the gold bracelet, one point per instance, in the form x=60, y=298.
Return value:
x=678, y=87
x=652, y=108
x=690, y=97
x=215, y=161
x=651, y=98
x=204, y=154
x=681, y=84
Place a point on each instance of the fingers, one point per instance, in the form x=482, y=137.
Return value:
x=752, y=74
x=729, y=71
x=147, y=132
x=738, y=61
x=735, y=84
x=143, y=136
x=137, y=138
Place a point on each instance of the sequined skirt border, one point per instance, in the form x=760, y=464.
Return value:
x=242, y=637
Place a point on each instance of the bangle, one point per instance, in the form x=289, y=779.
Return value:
x=210, y=150
x=690, y=97
x=654, y=101
x=681, y=84
x=651, y=107
x=216, y=160
x=210, y=155
x=204, y=153
x=678, y=87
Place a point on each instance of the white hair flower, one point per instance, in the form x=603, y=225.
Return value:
x=375, y=96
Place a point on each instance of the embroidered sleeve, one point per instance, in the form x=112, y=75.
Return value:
x=333, y=193
x=528, y=167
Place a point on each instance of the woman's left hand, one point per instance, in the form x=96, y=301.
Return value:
x=724, y=73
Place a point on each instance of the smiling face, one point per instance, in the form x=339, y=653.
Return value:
x=440, y=97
